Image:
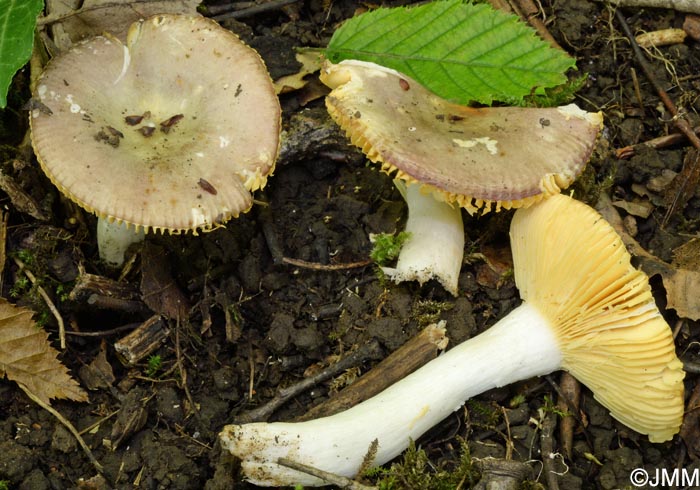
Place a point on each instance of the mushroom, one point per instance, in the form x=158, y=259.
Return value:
x=171, y=131
x=585, y=309
x=452, y=156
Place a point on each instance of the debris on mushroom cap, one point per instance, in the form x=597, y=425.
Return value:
x=612, y=336
x=171, y=131
x=506, y=157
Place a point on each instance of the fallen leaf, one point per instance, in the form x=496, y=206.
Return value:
x=636, y=208
x=158, y=287
x=96, y=17
x=310, y=63
x=496, y=268
x=687, y=256
x=27, y=357
x=690, y=430
x=98, y=374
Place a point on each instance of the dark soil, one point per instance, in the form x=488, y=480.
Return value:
x=284, y=320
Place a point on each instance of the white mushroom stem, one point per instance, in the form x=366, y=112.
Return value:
x=435, y=248
x=113, y=240
x=402, y=412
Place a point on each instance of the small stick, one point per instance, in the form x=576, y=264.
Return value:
x=680, y=5
x=3, y=244
x=571, y=407
x=53, y=18
x=399, y=364
x=254, y=10
x=142, y=340
x=326, y=267
x=572, y=389
x=547, y=450
x=371, y=350
x=689, y=174
x=637, y=91
x=47, y=300
x=655, y=143
x=66, y=423
x=527, y=11
x=328, y=478
x=98, y=422
x=271, y=238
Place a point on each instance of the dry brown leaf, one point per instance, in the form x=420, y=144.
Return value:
x=687, y=256
x=158, y=287
x=27, y=357
x=98, y=374
x=643, y=209
x=310, y=63
x=690, y=430
x=115, y=16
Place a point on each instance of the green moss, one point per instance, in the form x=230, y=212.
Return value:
x=387, y=247
x=155, y=363
x=426, y=312
x=417, y=472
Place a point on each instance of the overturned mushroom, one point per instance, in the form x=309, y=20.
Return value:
x=171, y=131
x=585, y=309
x=451, y=156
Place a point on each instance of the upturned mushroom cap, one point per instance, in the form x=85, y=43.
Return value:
x=171, y=131
x=611, y=334
x=508, y=157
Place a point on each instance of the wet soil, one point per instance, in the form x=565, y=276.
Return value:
x=257, y=322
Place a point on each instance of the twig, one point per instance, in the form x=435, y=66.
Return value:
x=328, y=478
x=66, y=423
x=689, y=174
x=254, y=10
x=547, y=450
x=528, y=11
x=47, y=300
x=264, y=214
x=410, y=356
x=105, y=333
x=53, y=18
x=370, y=350
x=681, y=5
x=655, y=143
x=326, y=267
x=3, y=244
x=98, y=422
x=572, y=408
x=572, y=389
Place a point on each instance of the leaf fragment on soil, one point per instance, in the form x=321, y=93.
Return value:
x=27, y=357
x=461, y=52
x=17, y=22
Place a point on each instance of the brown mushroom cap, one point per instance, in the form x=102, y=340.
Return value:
x=172, y=131
x=611, y=334
x=507, y=156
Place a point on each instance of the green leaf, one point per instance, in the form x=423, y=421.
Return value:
x=17, y=23
x=461, y=52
